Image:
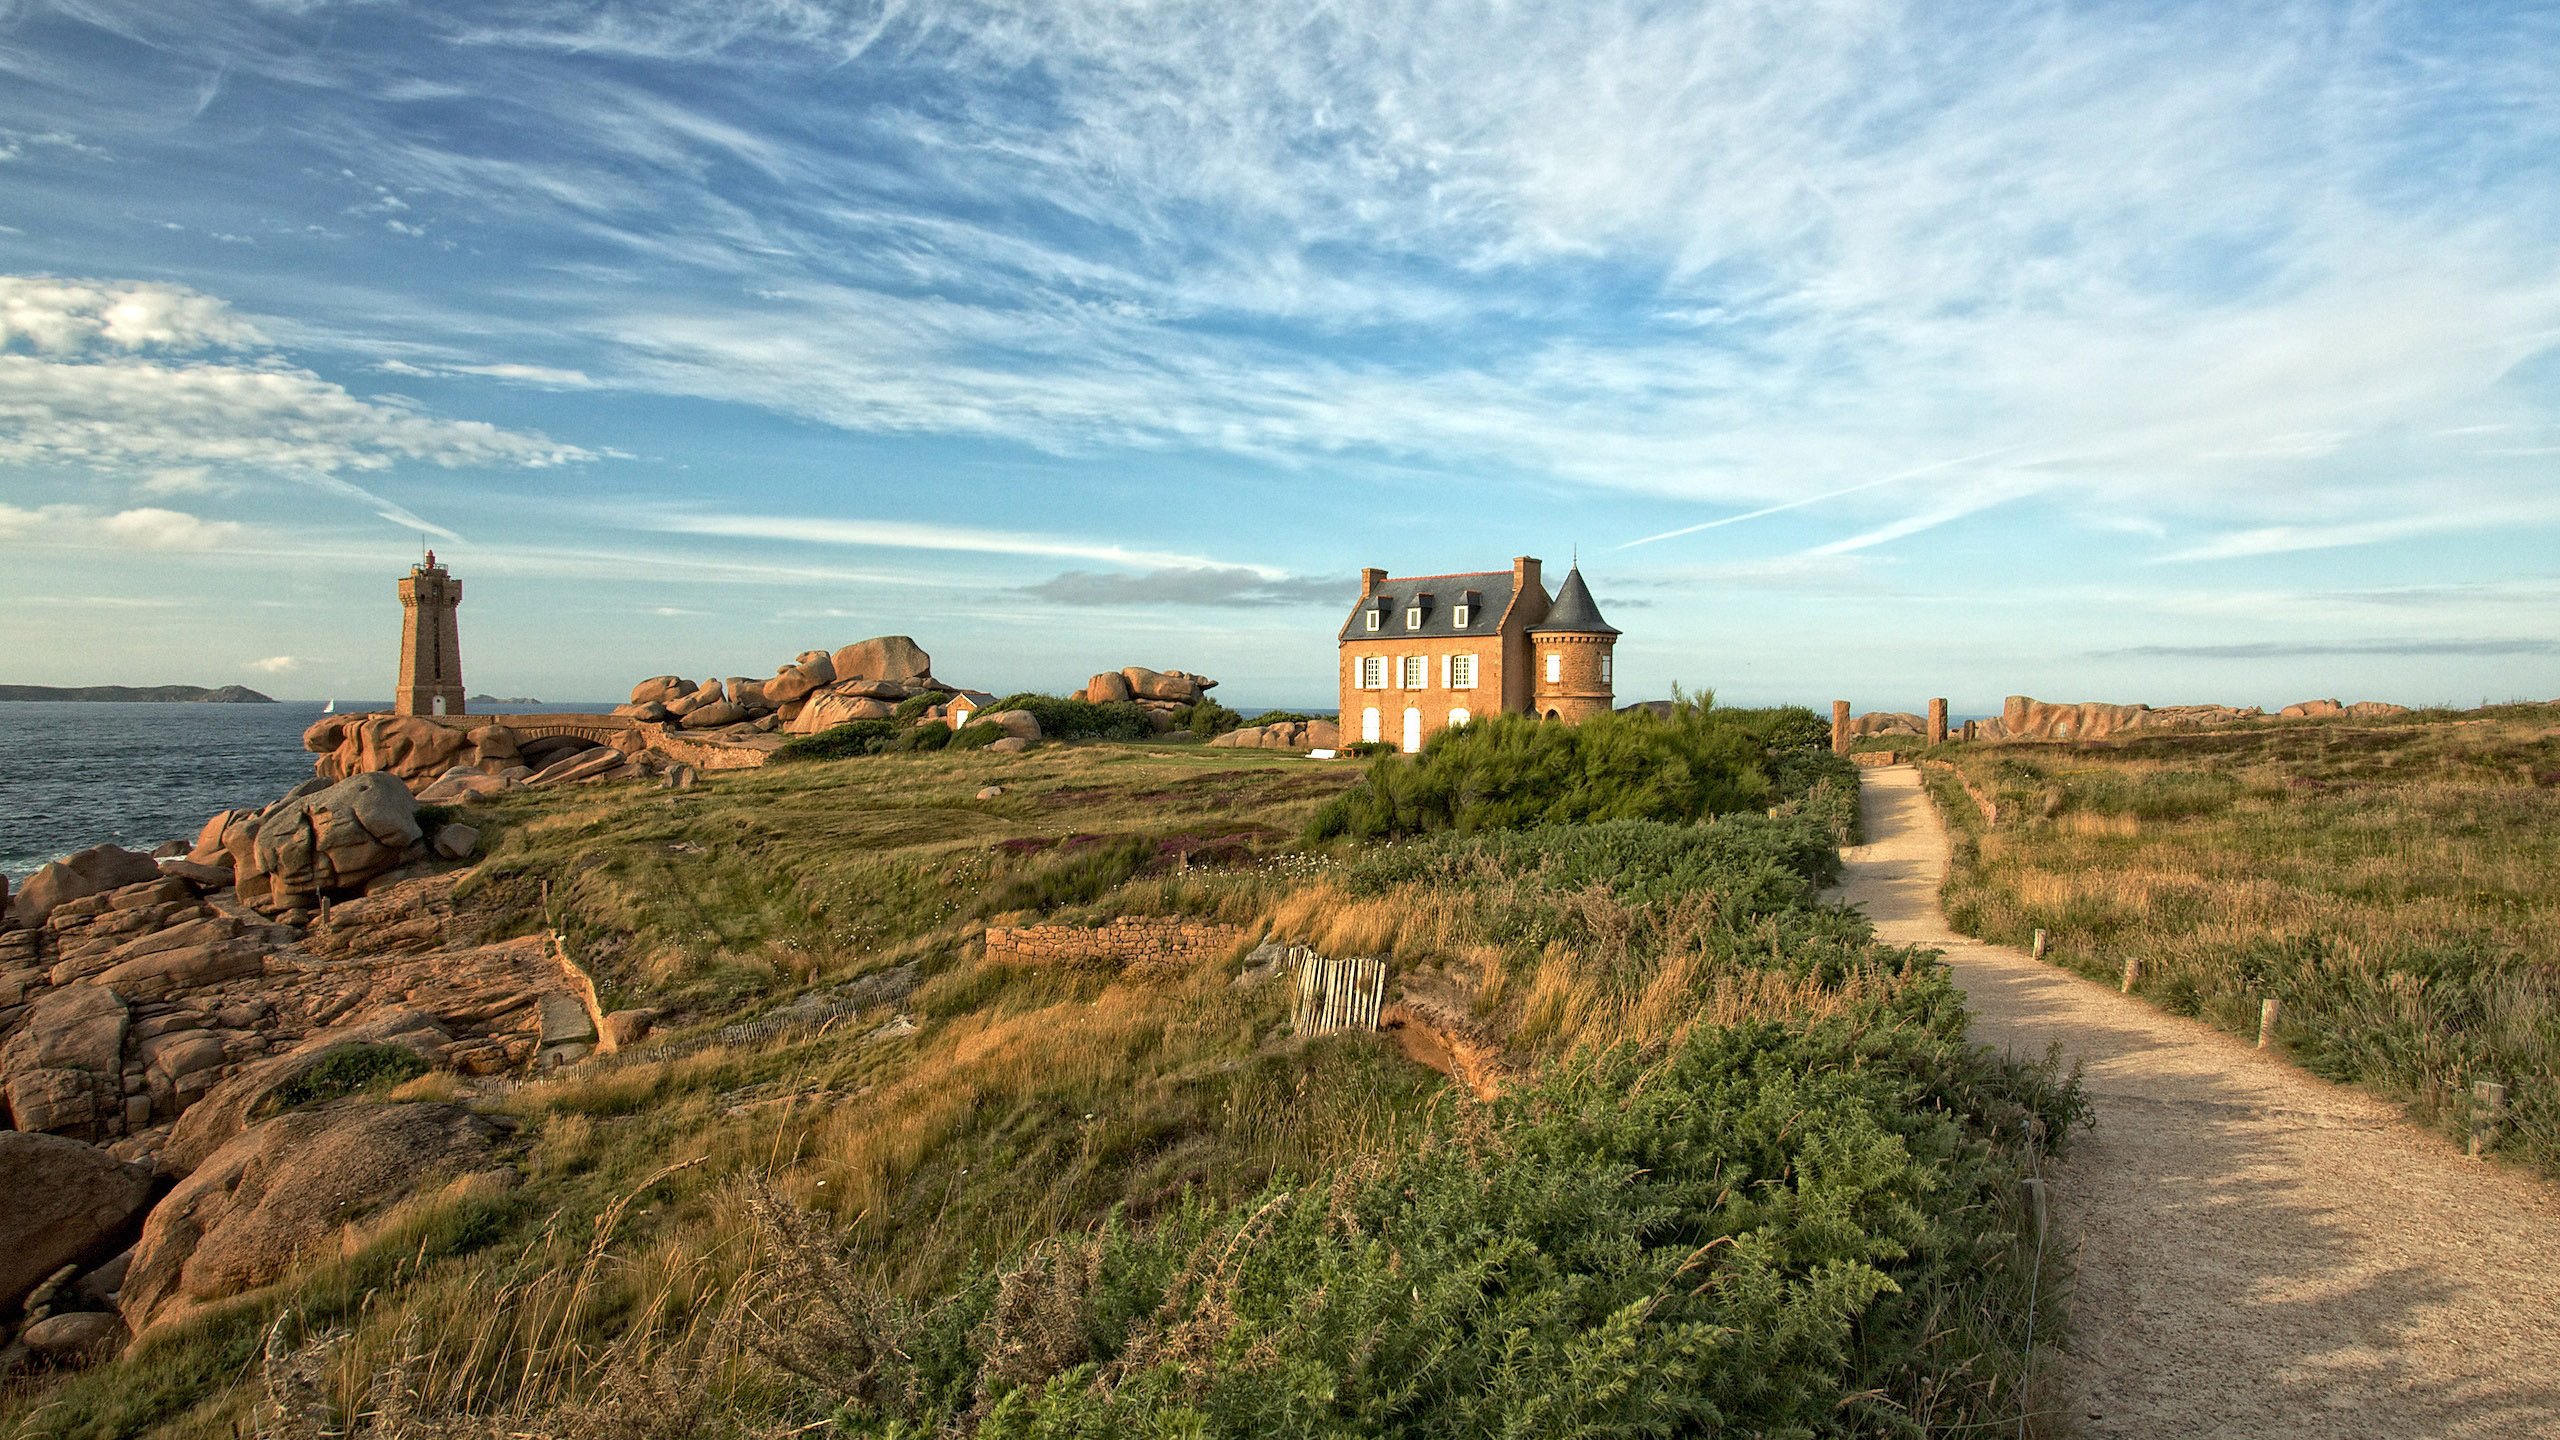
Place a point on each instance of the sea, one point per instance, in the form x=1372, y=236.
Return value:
x=74, y=773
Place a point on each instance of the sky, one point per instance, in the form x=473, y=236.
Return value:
x=2139, y=352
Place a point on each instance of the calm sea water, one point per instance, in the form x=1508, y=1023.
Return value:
x=74, y=773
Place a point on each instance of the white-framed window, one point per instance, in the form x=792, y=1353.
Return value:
x=1605, y=668
x=1413, y=617
x=1373, y=622
x=1555, y=669
x=1373, y=672
x=1462, y=672
x=1417, y=672
x=1458, y=616
x=1460, y=717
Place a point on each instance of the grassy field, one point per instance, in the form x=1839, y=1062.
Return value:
x=2395, y=886
x=1742, y=1170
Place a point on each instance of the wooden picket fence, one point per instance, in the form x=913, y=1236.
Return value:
x=1337, y=994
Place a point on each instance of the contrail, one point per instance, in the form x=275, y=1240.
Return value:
x=1818, y=499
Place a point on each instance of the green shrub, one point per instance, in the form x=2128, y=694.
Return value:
x=1766, y=1231
x=854, y=737
x=976, y=735
x=1509, y=771
x=1065, y=718
x=913, y=707
x=1206, y=718
x=348, y=1070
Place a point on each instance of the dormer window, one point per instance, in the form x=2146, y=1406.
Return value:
x=1458, y=614
x=1413, y=618
x=1373, y=622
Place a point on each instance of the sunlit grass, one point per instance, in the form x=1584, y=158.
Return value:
x=2395, y=886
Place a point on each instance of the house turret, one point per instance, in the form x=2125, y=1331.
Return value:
x=1575, y=653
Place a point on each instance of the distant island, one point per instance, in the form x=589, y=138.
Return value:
x=503, y=700
x=227, y=695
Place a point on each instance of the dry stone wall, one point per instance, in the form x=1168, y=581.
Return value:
x=1154, y=941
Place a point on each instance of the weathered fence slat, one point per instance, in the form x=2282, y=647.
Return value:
x=1337, y=994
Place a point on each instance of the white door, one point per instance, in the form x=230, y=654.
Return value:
x=1369, y=725
x=1458, y=718
x=1412, y=731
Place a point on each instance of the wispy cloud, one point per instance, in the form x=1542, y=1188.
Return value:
x=1189, y=587
x=275, y=664
x=916, y=535
x=2360, y=649
x=2289, y=539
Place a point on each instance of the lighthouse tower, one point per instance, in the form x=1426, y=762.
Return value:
x=430, y=642
x=1573, y=648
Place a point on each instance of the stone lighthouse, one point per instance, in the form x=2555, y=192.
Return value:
x=1575, y=665
x=430, y=642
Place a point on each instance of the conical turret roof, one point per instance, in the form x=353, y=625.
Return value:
x=1574, y=613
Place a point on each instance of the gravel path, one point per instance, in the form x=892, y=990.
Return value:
x=2259, y=1252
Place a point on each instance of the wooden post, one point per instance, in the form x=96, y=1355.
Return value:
x=2036, y=1205
x=2488, y=1110
x=2132, y=973
x=1839, y=727
x=2266, y=1022
x=2037, y=950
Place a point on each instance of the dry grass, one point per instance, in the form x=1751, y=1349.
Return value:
x=680, y=1202
x=2392, y=885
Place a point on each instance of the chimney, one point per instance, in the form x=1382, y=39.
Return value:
x=1370, y=579
x=1524, y=574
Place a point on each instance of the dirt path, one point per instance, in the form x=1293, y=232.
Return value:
x=2260, y=1252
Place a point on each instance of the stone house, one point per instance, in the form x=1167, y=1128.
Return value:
x=1422, y=653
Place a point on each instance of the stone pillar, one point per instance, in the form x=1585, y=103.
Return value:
x=1938, y=722
x=1839, y=727
x=1972, y=730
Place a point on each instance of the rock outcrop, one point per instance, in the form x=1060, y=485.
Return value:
x=2331, y=709
x=328, y=844
x=128, y=1012
x=1136, y=682
x=2022, y=718
x=829, y=708
x=279, y=1189
x=93, y=871
x=884, y=657
x=1887, y=722
x=62, y=1203
x=411, y=747
x=1284, y=735
x=63, y=1067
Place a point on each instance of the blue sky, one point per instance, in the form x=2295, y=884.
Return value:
x=2160, y=352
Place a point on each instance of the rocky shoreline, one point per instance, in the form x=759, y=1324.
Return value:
x=177, y=1035
x=195, y=1043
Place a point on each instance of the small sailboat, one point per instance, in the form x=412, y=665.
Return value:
x=329, y=709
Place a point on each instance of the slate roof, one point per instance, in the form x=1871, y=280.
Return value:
x=1486, y=592
x=1574, y=613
